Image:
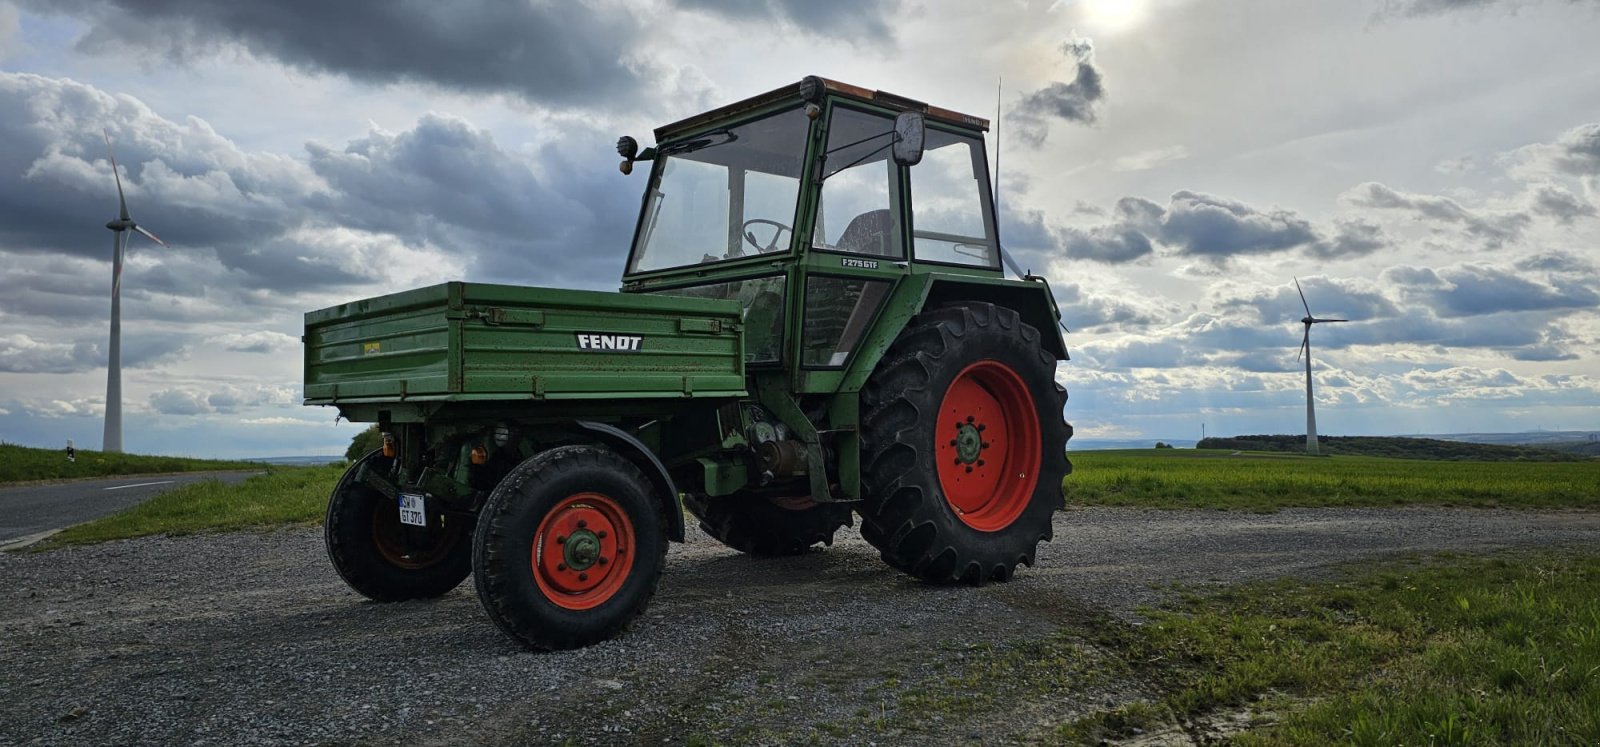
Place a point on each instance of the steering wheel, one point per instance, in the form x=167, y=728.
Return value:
x=771, y=246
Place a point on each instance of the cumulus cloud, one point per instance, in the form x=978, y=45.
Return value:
x=178, y=402
x=438, y=200
x=1085, y=311
x=1577, y=151
x=59, y=408
x=1558, y=203
x=1477, y=289
x=552, y=52
x=1558, y=262
x=1111, y=244
x=253, y=342
x=1212, y=228
x=866, y=21
x=224, y=399
x=1352, y=237
x=1077, y=101
x=1493, y=229
x=21, y=353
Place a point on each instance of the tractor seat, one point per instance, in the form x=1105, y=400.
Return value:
x=868, y=233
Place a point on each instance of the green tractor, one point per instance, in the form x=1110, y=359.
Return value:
x=813, y=323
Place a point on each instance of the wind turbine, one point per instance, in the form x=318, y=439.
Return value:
x=120, y=227
x=1305, y=349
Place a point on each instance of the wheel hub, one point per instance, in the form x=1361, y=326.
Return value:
x=581, y=549
x=969, y=442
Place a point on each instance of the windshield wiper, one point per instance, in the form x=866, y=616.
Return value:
x=708, y=140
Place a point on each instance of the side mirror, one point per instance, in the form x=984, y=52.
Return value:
x=908, y=136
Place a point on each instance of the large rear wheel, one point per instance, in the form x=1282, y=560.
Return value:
x=766, y=526
x=964, y=446
x=569, y=548
x=380, y=557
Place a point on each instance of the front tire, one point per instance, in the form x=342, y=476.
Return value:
x=569, y=548
x=379, y=557
x=963, y=446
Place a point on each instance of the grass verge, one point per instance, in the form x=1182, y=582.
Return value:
x=295, y=495
x=1184, y=478
x=1451, y=651
x=26, y=464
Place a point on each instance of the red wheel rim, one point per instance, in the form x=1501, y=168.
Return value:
x=987, y=445
x=582, y=551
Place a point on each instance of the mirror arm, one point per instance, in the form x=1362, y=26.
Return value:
x=847, y=166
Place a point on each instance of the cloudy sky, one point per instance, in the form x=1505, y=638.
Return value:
x=1429, y=169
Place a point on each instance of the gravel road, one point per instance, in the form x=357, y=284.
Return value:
x=250, y=638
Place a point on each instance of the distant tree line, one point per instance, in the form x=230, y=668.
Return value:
x=1394, y=447
x=364, y=443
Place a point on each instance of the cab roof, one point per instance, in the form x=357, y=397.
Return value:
x=813, y=88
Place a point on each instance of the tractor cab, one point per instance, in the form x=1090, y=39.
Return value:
x=811, y=202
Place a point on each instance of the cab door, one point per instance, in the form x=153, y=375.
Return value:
x=857, y=248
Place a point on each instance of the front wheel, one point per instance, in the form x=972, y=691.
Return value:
x=569, y=548
x=964, y=446
x=383, y=559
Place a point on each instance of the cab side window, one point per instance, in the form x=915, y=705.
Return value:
x=949, y=199
x=858, y=212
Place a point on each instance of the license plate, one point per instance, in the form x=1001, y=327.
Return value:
x=413, y=510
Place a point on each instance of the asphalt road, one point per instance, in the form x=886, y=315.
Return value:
x=30, y=510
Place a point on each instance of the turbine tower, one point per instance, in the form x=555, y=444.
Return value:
x=1305, y=349
x=120, y=226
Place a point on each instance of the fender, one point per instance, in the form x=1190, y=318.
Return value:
x=635, y=451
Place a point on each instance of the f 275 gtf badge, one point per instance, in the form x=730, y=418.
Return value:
x=618, y=343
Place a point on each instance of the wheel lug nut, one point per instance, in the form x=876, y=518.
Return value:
x=985, y=444
x=583, y=524
x=583, y=577
x=958, y=460
x=980, y=462
x=601, y=534
x=969, y=469
x=982, y=427
x=561, y=566
x=952, y=442
x=602, y=560
x=969, y=418
x=561, y=539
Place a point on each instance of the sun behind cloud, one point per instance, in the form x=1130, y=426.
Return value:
x=1108, y=16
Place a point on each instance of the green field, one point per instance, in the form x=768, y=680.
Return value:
x=1452, y=651
x=1260, y=481
x=1165, y=478
x=26, y=464
x=284, y=496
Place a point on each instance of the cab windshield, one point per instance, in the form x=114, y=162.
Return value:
x=724, y=194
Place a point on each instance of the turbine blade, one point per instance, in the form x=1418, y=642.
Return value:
x=1305, y=342
x=150, y=236
x=121, y=200
x=1330, y=320
x=1302, y=296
